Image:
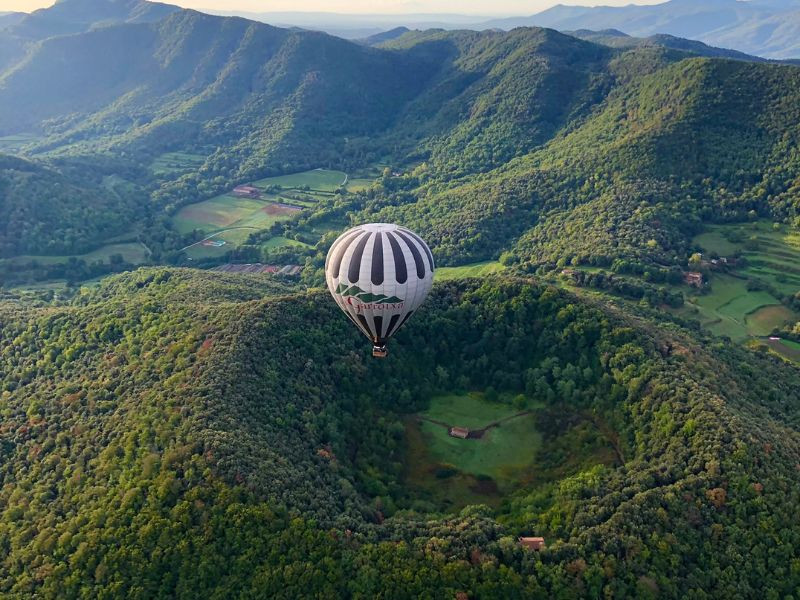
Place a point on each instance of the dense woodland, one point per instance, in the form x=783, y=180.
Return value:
x=162, y=437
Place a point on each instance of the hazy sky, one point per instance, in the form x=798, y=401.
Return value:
x=478, y=7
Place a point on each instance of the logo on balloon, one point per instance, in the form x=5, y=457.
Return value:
x=354, y=296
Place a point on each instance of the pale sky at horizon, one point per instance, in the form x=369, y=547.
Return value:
x=475, y=7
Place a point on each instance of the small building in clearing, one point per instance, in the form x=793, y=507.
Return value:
x=246, y=191
x=459, y=432
x=532, y=543
x=693, y=278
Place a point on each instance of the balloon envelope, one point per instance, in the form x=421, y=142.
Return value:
x=379, y=274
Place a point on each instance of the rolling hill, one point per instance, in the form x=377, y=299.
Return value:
x=505, y=135
x=199, y=420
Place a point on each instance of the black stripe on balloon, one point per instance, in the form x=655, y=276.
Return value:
x=403, y=322
x=392, y=323
x=415, y=253
x=336, y=263
x=400, y=273
x=378, y=326
x=355, y=260
x=377, y=260
x=424, y=247
x=363, y=320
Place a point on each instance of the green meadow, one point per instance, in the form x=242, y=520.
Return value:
x=480, y=269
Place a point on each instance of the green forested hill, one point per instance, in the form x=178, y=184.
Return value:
x=46, y=211
x=180, y=434
x=676, y=142
x=499, y=137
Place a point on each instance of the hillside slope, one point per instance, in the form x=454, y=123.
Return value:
x=235, y=435
x=674, y=143
x=49, y=212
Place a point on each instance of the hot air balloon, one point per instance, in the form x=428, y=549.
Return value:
x=379, y=274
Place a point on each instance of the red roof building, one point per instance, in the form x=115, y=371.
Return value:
x=459, y=432
x=532, y=543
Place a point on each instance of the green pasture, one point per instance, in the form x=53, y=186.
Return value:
x=132, y=252
x=320, y=180
x=474, y=270
x=451, y=473
x=767, y=318
x=731, y=310
x=771, y=256
x=176, y=162
x=359, y=184
x=503, y=451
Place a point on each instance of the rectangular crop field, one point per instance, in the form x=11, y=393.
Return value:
x=216, y=213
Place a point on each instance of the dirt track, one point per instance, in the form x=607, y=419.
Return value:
x=476, y=434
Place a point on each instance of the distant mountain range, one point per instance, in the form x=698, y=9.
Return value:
x=768, y=28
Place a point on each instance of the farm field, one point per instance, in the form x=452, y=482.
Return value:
x=731, y=310
x=358, y=184
x=235, y=218
x=772, y=257
x=132, y=252
x=280, y=242
x=176, y=162
x=474, y=270
x=319, y=180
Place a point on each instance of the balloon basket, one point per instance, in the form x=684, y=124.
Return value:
x=379, y=352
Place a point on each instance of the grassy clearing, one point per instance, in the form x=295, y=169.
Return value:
x=320, y=180
x=474, y=270
x=171, y=163
x=451, y=473
x=359, y=184
x=503, y=450
x=133, y=252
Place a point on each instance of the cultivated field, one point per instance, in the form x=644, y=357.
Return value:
x=772, y=257
x=233, y=219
